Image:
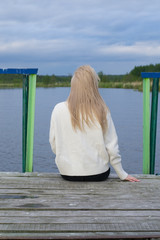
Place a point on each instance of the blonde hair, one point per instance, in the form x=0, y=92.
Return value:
x=84, y=102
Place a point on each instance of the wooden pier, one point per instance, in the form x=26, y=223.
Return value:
x=44, y=206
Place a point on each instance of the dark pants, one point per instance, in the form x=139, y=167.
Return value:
x=90, y=178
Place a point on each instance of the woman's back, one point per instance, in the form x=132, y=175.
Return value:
x=82, y=133
x=77, y=152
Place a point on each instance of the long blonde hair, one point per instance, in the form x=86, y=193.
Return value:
x=84, y=102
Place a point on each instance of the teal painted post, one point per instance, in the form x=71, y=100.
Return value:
x=153, y=126
x=30, y=123
x=24, y=121
x=146, y=125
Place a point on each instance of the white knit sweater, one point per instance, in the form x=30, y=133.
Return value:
x=83, y=153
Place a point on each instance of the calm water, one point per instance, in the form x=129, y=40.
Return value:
x=126, y=109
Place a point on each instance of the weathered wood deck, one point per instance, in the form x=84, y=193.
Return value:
x=44, y=206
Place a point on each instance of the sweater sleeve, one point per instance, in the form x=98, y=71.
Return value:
x=111, y=143
x=52, y=134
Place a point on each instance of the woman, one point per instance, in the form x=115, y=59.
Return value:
x=82, y=133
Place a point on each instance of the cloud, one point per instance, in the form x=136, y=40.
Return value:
x=62, y=34
x=137, y=49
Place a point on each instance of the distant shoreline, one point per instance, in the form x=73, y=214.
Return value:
x=131, y=80
x=125, y=85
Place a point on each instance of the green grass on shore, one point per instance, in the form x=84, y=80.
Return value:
x=126, y=85
x=131, y=80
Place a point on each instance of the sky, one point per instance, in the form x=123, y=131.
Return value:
x=58, y=36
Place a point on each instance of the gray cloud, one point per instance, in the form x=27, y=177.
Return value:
x=58, y=35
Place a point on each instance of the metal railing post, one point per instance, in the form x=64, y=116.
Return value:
x=146, y=125
x=153, y=126
x=24, y=122
x=149, y=120
x=30, y=122
x=28, y=102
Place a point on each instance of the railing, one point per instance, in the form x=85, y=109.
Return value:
x=29, y=91
x=149, y=123
x=149, y=120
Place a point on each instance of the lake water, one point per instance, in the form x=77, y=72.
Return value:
x=127, y=112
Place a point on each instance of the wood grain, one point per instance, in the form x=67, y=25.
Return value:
x=44, y=206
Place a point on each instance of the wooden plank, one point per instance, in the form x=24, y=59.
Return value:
x=79, y=213
x=54, y=176
x=19, y=71
x=83, y=203
x=48, y=227
x=79, y=220
x=82, y=235
x=57, y=175
x=59, y=180
x=150, y=74
x=45, y=206
x=39, y=185
x=34, y=192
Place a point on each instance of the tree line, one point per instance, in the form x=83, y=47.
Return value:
x=52, y=80
x=133, y=76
